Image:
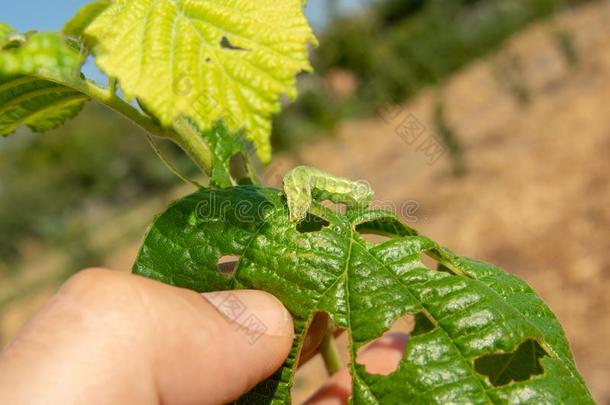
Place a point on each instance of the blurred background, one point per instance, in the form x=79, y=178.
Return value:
x=486, y=123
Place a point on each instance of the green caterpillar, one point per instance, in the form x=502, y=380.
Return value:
x=303, y=184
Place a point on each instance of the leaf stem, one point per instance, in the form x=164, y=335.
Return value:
x=112, y=85
x=182, y=133
x=191, y=141
x=330, y=354
x=169, y=164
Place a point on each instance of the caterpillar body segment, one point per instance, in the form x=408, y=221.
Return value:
x=304, y=184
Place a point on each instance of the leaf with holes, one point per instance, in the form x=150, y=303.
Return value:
x=483, y=336
x=206, y=60
x=26, y=96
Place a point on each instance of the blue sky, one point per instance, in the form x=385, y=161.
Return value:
x=45, y=15
x=42, y=15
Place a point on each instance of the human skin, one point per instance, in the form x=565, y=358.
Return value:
x=115, y=338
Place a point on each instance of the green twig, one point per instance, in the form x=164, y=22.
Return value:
x=169, y=164
x=191, y=141
x=330, y=354
x=112, y=85
x=182, y=133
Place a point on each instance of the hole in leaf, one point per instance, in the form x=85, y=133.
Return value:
x=429, y=262
x=390, y=347
x=375, y=238
x=312, y=373
x=519, y=365
x=315, y=333
x=337, y=207
x=441, y=267
x=382, y=229
x=374, y=232
x=311, y=364
x=312, y=223
x=392, y=344
x=227, y=264
x=226, y=44
x=238, y=168
x=422, y=325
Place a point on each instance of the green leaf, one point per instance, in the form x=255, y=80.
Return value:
x=39, y=104
x=223, y=146
x=41, y=54
x=5, y=31
x=206, y=60
x=473, y=319
x=85, y=16
x=26, y=97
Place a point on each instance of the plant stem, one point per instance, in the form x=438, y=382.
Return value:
x=330, y=354
x=191, y=141
x=169, y=164
x=183, y=134
x=112, y=85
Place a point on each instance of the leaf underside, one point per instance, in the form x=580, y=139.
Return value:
x=207, y=61
x=26, y=97
x=490, y=338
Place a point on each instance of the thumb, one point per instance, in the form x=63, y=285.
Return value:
x=109, y=337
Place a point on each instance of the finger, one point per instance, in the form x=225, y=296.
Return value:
x=381, y=357
x=109, y=338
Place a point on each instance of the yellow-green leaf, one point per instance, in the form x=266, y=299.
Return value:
x=39, y=104
x=207, y=60
x=5, y=31
x=40, y=54
x=77, y=25
x=26, y=96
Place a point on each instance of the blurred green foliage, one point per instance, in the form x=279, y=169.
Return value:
x=397, y=47
x=95, y=160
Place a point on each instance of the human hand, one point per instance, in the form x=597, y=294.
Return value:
x=115, y=338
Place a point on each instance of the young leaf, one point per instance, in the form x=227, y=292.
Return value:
x=85, y=16
x=40, y=54
x=5, y=31
x=39, y=104
x=205, y=60
x=223, y=146
x=475, y=315
x=26, y=97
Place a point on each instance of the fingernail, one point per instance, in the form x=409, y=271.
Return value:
x=254, y=310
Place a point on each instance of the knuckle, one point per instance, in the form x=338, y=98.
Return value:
x=99, y=291
x=88, y=282
x=106, y=302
